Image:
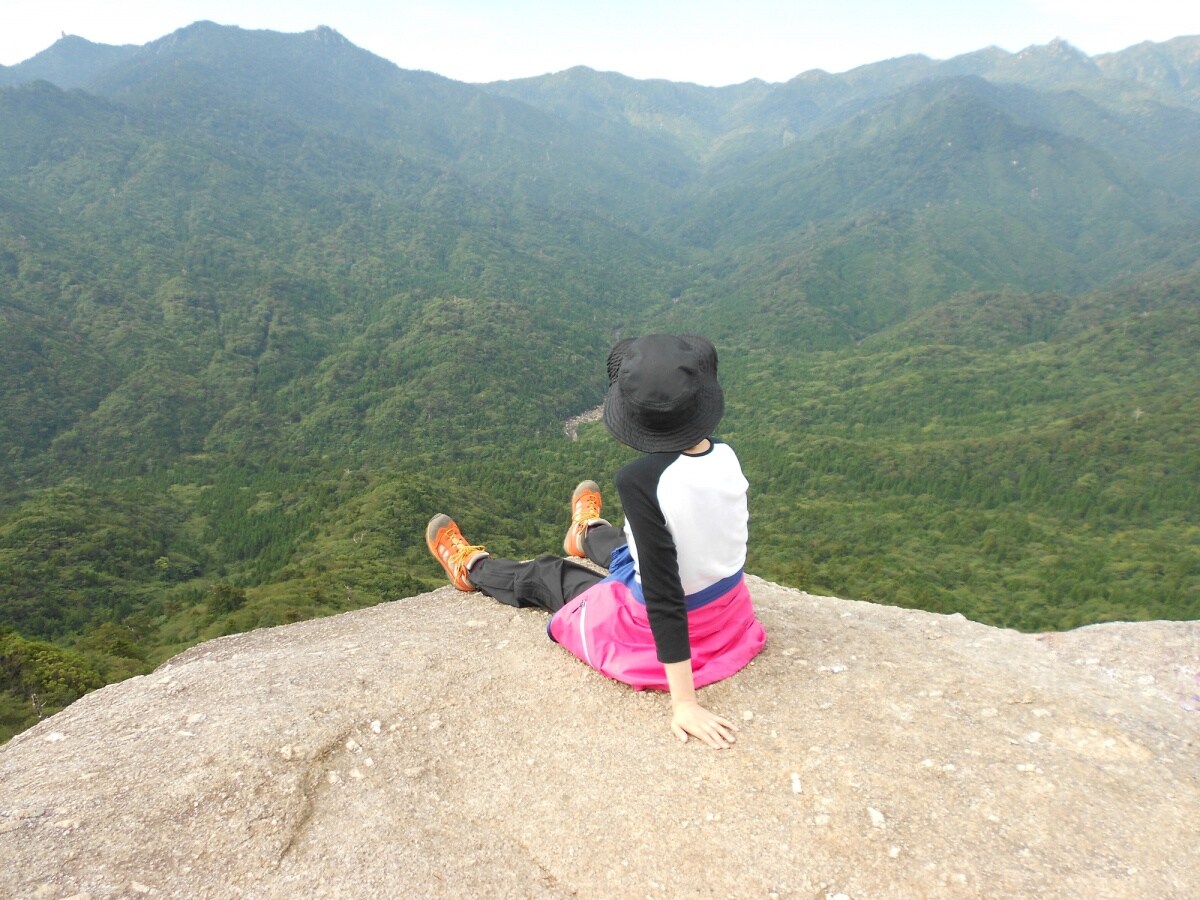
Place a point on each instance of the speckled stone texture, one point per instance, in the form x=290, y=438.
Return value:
x=441, y=746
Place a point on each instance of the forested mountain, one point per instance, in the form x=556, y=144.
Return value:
x=268, y=301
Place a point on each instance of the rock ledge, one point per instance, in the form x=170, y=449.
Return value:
x=441, y=746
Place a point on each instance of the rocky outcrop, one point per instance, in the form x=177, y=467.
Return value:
x=441, y=746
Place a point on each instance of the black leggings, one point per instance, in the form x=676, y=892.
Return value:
x=548, y=582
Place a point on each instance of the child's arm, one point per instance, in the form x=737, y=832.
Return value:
x=665, y=607
x=689, y=717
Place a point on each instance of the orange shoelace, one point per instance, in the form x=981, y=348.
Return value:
x=459, y=551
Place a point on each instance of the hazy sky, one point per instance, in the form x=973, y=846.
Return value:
x=713, y=42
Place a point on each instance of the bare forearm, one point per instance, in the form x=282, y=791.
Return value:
x=680, y=681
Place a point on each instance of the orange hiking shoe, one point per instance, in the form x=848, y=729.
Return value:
x=585, y=512
x=451, y=549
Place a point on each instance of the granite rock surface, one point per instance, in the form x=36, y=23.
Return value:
x=441, y=746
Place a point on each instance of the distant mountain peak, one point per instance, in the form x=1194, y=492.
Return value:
x=1058, y=49
x=326, y=35
x=67, y=47
x=1055, y=64
x=201, y=26
x=70, y=42
x=1063, y=47
x=69, y=62
x=185, y=34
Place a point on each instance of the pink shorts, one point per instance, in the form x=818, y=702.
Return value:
x=607, y=627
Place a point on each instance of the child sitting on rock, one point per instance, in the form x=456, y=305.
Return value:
x=674, y=612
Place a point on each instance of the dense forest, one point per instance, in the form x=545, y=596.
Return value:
x=268, y=302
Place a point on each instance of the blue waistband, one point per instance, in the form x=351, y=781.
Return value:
x=621, y=568
x=714, y=591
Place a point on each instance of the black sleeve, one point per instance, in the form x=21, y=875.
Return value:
x=637, y=485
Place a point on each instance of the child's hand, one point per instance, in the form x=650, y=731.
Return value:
x=689, y=717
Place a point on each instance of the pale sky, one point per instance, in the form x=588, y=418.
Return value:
x=711, y=42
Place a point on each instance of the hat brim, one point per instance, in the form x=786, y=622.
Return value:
x=626, y=428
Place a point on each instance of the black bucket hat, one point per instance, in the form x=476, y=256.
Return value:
x=663, y=393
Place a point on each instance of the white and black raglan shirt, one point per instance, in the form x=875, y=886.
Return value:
x=686, y=520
